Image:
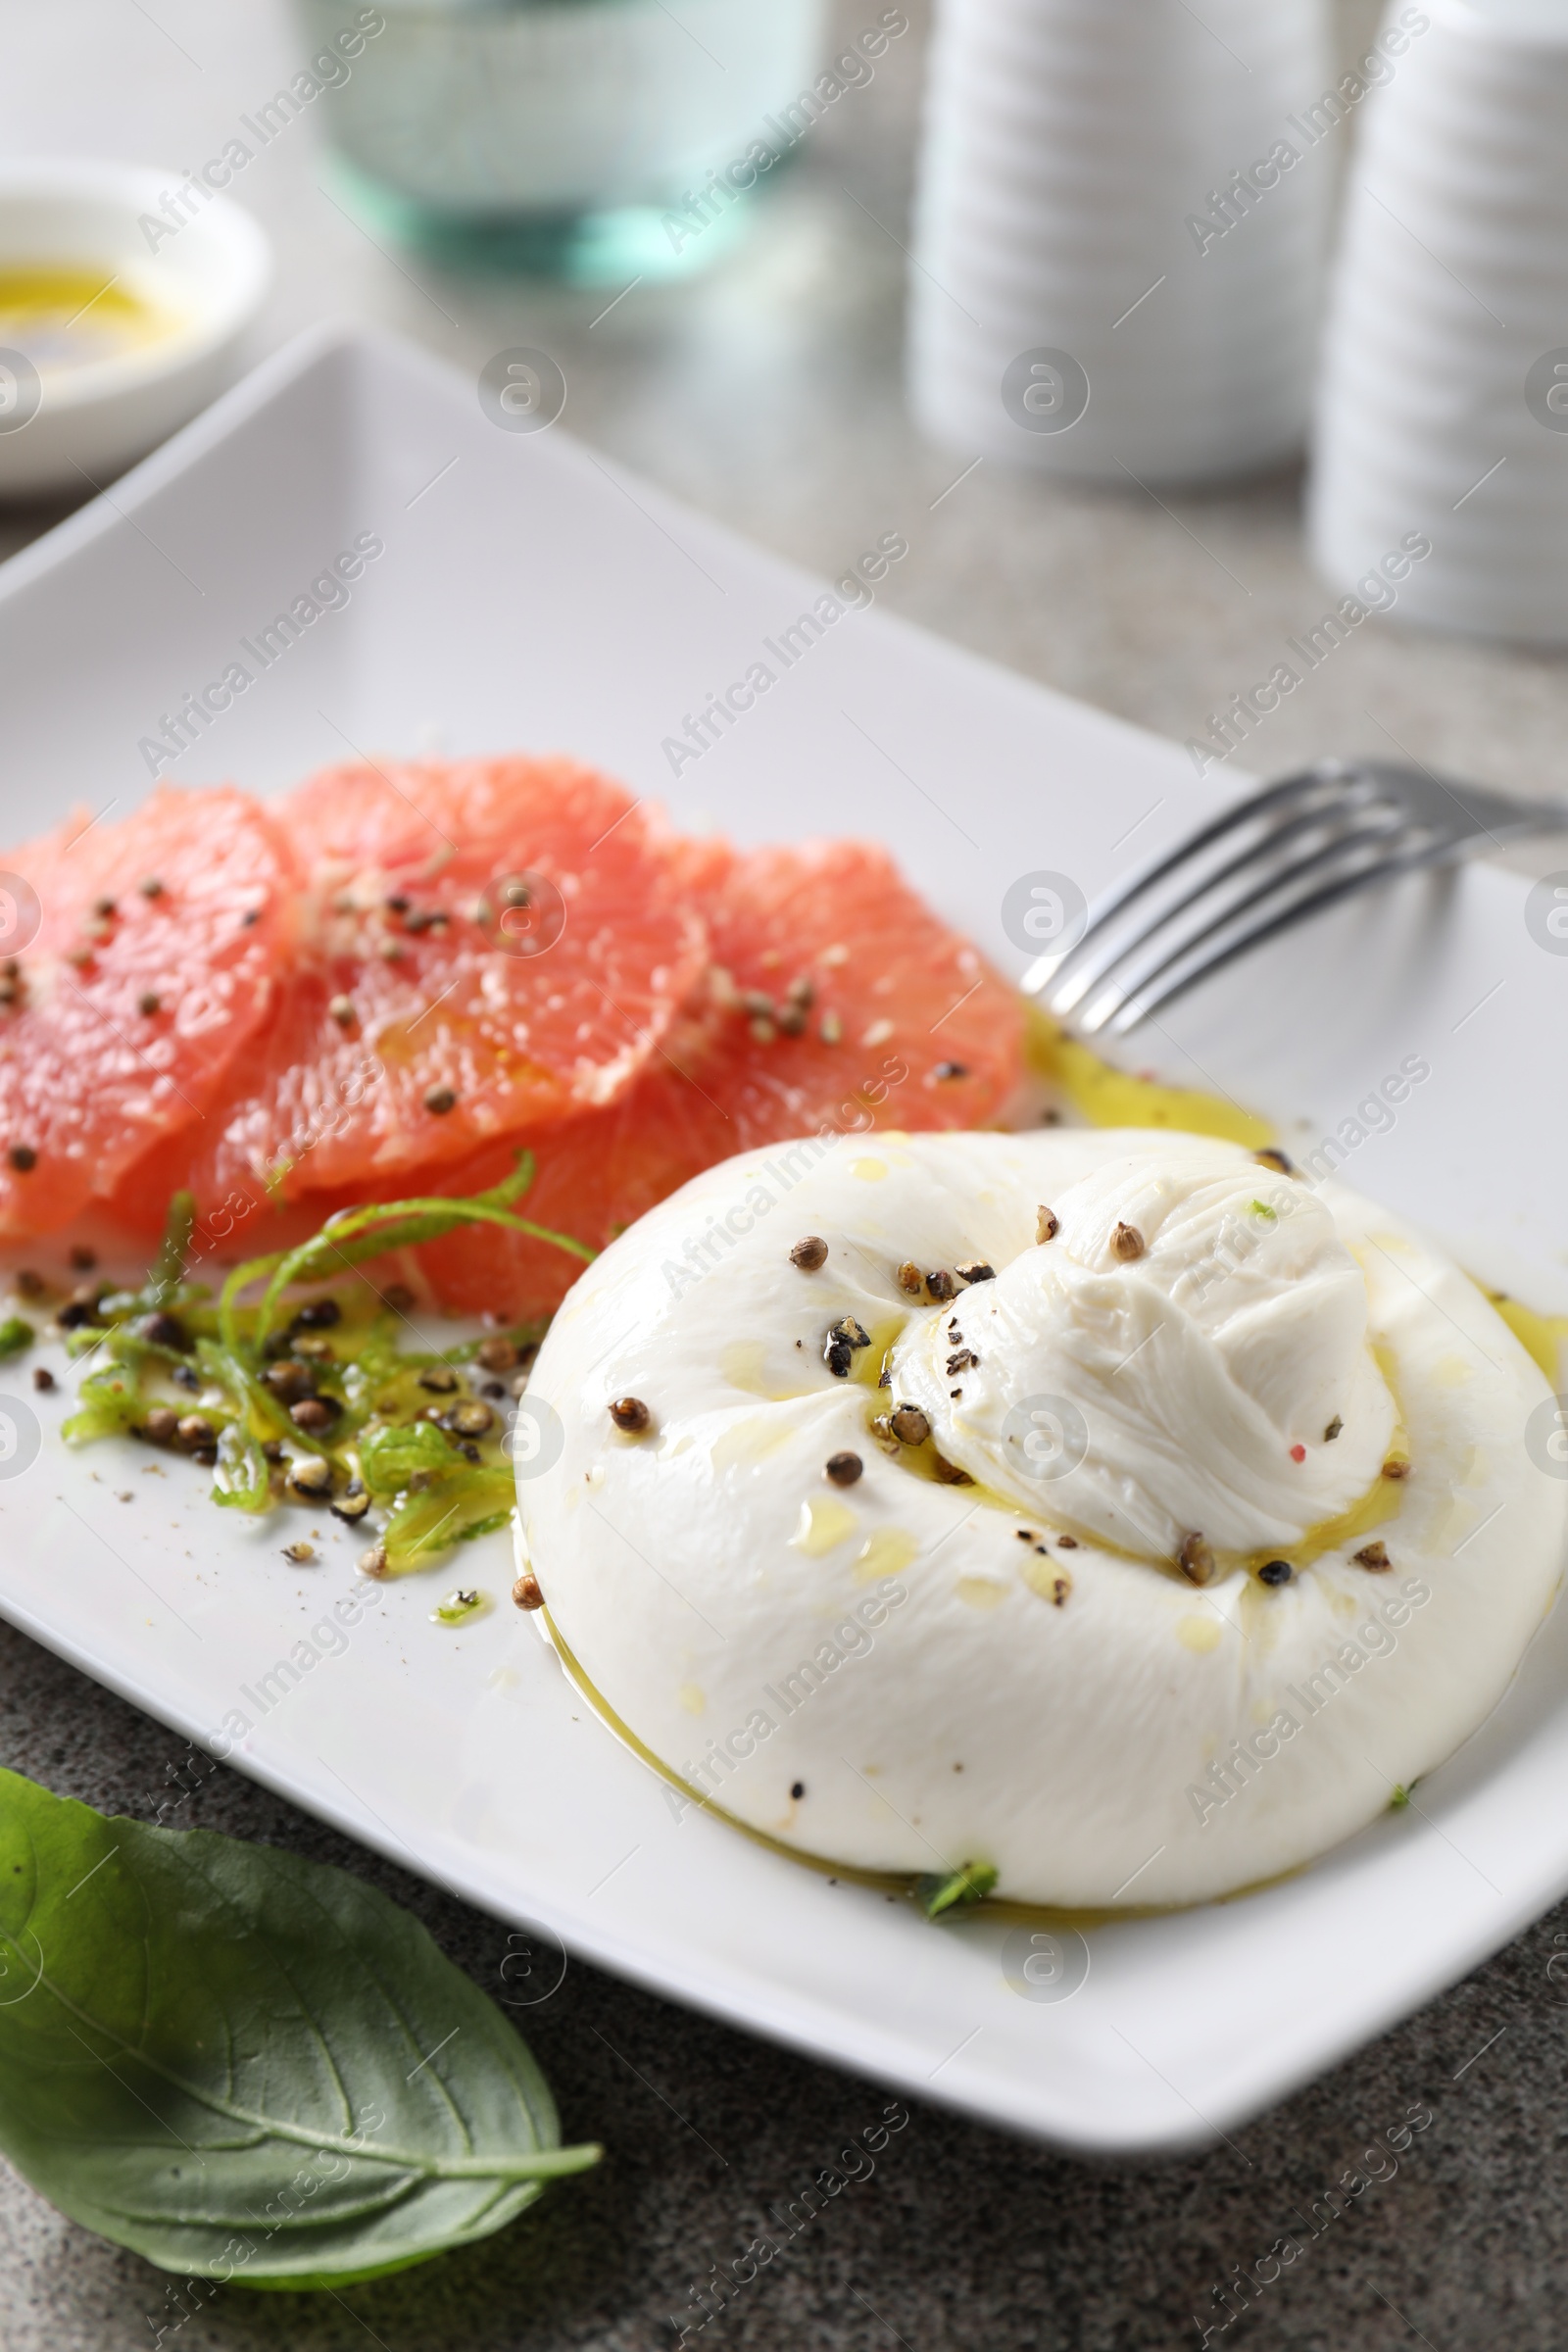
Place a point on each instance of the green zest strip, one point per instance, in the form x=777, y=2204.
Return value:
x=957, y=1890
x=167, y=1270
x=355, y=1234
x=438, y=1487
x=14, y=1336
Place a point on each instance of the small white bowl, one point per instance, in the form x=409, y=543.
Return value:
x=183, y=270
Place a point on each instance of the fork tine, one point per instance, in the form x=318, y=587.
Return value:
x=1331, y=894
x=1112, y=937
x=1366, y=826
x=1118, y=900
x=1354, y=817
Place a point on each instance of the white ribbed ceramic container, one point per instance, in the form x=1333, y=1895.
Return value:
x=1120, y=232
x=1444, y=404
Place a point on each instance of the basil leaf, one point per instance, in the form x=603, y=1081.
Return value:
x=247, y=2065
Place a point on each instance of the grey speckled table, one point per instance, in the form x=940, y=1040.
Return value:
x=768, y=393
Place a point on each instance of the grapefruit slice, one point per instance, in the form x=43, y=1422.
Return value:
x=836, y=996
x=835, y=1000
x=137, y=961
x=593, y=1177
x=487, y=945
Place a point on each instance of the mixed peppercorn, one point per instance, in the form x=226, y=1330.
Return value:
x=907, y=1428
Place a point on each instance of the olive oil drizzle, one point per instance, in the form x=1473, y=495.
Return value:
x=997, y=1910
x=1103, y=1095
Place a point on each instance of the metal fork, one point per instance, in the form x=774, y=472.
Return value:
x=1289, y=852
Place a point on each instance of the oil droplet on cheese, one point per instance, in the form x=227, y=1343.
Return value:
x=824, y=1523
x=981, y=1593
x=1047, y=1579
x=869, y=1171
x=1460, y=1520
x=1199, y=1633
x=872, y=1362
x=1391, y=1245
x=750, y=1440
x=884, y=1555
x=64, y=318
x=691, y=1699
x=1542, y=1335
x=744, y=1365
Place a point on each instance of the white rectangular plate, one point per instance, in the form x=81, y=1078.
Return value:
x=529, y=596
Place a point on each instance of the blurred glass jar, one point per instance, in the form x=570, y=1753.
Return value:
x=555, y=135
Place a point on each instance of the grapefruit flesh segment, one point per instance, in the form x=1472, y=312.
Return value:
x=486, y=946
x=898, y=1020
x=152, y=966
x=593, y=1177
